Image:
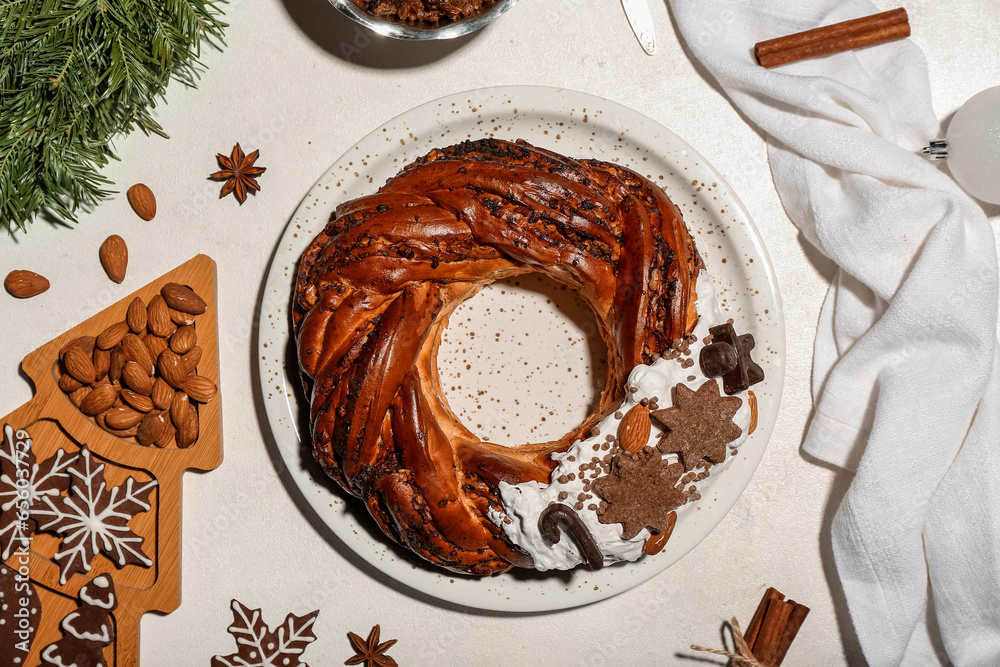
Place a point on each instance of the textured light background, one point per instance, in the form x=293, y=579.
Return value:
x=302, y=84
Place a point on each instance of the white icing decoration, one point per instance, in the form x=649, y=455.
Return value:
x=67, y=625
x=50, y=655
x=103, y=603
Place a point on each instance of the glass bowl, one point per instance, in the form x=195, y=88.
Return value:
x=402, y=30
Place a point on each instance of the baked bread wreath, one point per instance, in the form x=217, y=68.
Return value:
x=374, y=291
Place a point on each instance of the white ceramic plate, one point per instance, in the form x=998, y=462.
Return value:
x=578, y=125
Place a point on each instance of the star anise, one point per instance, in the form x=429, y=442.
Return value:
x=369, y=652
x=239, y=173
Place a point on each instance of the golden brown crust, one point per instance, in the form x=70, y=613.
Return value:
x=375, y=288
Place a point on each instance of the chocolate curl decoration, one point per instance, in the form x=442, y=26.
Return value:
x=557, y=516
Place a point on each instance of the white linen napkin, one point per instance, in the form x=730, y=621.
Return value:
x=905, y=350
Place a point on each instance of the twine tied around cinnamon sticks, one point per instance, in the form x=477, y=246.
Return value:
x=771, y=632
x=855, y=34
x=744, y=658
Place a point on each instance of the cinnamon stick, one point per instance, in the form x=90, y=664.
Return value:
x=774, y=627
x=758, y=616
x=795, y=620
x=857, y=33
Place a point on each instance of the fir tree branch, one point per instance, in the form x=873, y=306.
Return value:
x=73, y=76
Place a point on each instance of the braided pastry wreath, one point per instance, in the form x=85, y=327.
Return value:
x=374, y=291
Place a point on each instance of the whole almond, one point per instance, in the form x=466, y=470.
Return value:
x=141, y=198
x=182, y=298
x=135, y=350
x=100, y=399
x=101, y=420
x=113, y=254
x=117, y=363
x=122, y=418
x=192, y=358
x=137, y=401
x=199, y=388
x=158, y=317
x=102, y=363
x=634, y=428
x=179, y=318
x=183, y=339
x=136, y=379
x=172, y=368
x=68, y=383
x=76, y=397
x=162, y=394
x=179, y=408
x=124, y=433
x=655, y=543
x=135, y=316
x=85, y=343
x=155, y=344
x=167, y=435
x=25, y=284
x=150, y=428
x=79, y=364
x=187, y=432
x=112, y=335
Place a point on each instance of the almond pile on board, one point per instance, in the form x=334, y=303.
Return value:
x=138, y=378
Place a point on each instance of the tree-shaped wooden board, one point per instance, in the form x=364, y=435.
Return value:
x=91, y=468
